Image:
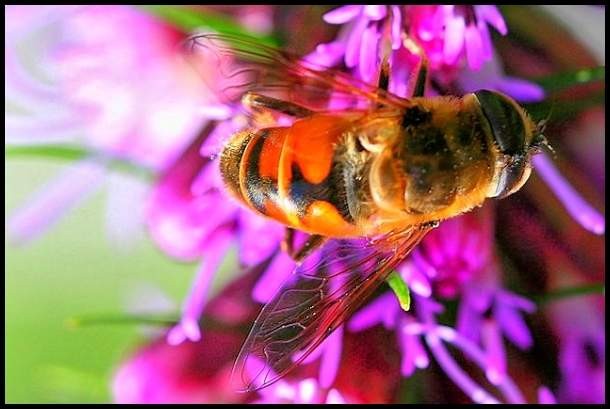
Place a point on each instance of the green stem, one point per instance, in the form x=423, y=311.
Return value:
x=189, y=19
x=568, y=292
x=73, y=153
x=120, y=319
x=557, y=82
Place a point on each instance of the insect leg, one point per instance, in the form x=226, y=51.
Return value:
x=313, y=242
x=287, y=244
x=256, y=102
x=422, y=71
x=384, y=75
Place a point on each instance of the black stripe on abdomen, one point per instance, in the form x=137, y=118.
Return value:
x=336, y=189
x=259, y=189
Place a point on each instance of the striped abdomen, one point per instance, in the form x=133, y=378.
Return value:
x=298, y=175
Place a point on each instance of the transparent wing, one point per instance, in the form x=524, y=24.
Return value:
x=241, y=65
x=318, y=297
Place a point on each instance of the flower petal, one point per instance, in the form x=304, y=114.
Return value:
x=513, y=325
x=327, y=55
x=353, y=48
x=342, y=14
x=375, y=12
x=273, y=278
x=576, y=206
x=331, y=357
x=369, y=58
x=258, y=238
x=50, y=203
x=396, y=27
x=372, y=313
x=192, y=309
x=474, y=47
x=454, y=40
x=493, y=17
x=521, y=90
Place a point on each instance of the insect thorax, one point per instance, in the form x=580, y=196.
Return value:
x=441, y=163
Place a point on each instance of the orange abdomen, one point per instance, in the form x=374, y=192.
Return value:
x=294, y=175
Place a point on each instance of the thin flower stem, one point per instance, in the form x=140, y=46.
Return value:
x=71, y=153
x=444, y=359
x=597, y=288
x=557, y=82
x=434, y=333
x=120, y=319
x=507, y=386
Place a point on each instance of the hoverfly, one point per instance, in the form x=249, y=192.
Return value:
x=366, y=182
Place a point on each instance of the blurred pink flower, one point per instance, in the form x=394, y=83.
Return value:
x=118, y=85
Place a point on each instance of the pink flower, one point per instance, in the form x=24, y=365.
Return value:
x=446, y=34
x=119, y=86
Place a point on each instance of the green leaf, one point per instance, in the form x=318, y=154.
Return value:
x=558, y=82
x=189, y=19
x=73, y=153
x=401, y=290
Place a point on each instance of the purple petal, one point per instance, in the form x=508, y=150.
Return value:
x=396, y=27
x=451, y=238
x=417, y=281
x=475, y=251
x=576, y=206
x=422, y=264
x=213, y=144
x=513, y=326
x=545, y=396
x=413, y=353
x=216, y=112
x=54, y=200
x=371, y=314
x=474, y=47
x=433, y=250
x=375, y=12
x=273, y=278
x=331, y=358
x=454, y=39
x=327, y=55
x=469, y=322
x=353, y=48
x=258, y=238
x=342, y=14
x=457, y=374
x=486, y=47
x=369, y=63
x=493, y=17
x=516, y=301
x=495, y=370
x=192, y=309
x=208, y=180
x=399, y=78
x=335, y=397
x=312, y=357
x=521, y=90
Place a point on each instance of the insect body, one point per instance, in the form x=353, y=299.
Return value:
x=356, y=174
x=369, y=180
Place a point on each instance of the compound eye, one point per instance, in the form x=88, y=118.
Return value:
x=505, y=121
x=512, y=178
